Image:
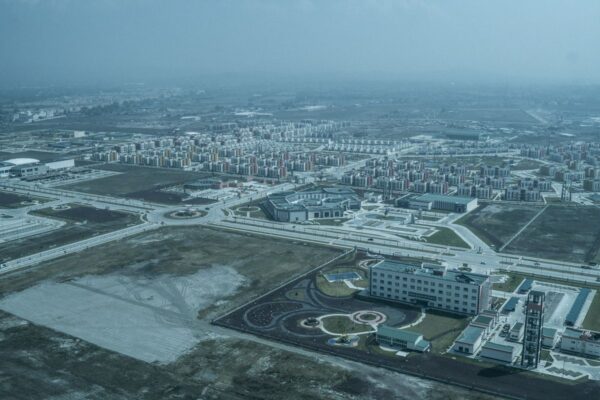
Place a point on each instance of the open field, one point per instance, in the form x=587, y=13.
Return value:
x=142, y=183
x=592, y=318
x=82, y=222
x=440, y=328
x=446, y=237
x=81, y=213
x=508, y=115
x=561, y=233
x=141, y=297
x=38, y=363
x=184, y=251
x=16, y=200
x=495, y=223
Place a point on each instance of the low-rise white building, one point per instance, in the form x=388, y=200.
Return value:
x=469, y=340
x=404, y=340
x=499, y=352
x=580, y=341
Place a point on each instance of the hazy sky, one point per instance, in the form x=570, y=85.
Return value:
x=86, y=41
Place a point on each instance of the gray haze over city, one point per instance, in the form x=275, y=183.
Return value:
x=69, y=41
x=307, y=199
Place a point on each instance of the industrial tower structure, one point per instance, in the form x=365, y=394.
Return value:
x=532, y=340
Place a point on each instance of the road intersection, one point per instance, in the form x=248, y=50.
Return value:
x=479, y=258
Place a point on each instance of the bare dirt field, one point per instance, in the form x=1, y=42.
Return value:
x=82, y=222
x=135, y=182
x=150, y=298
x=562, y=233
x=40, y=363
x=495, y=224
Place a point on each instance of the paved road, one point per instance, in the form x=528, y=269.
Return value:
x=481, y=258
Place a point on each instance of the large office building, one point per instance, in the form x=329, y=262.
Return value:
x=28, y=167
x=314, y=204
x=432, y=286
x=443, y=202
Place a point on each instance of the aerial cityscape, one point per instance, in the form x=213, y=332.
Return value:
x=183, y=232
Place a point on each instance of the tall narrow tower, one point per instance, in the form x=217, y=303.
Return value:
x=534, y=318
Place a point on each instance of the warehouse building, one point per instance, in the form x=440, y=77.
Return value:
x=432, y=286
x=404, y=340
x=314, y=204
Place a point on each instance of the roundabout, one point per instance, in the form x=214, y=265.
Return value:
x=368, y=317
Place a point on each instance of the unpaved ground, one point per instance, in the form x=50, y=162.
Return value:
x=153, y=320
x=81, y=222
x=175, y=272
x=38, y=363
x=183, y=251
x=562, y=233
x=495, y=224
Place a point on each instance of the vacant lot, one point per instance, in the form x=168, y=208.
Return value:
x=495, y=224
x=139, y=183
x=16, y=200
x=263, y=262
x=82, y=222
x=81, y=213
x=446, y=237
x=562, y=233
x=508, y=115
x=592, y=318
x=40, y=363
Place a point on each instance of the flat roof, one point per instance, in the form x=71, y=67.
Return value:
x=470, y=334
x=429, y=270
x=409, y=336
x=442, y=197
x=483, y=319
x=582, y=334
x=511, y=304
x=549, y=332
x=499, y=347
x=21, y=161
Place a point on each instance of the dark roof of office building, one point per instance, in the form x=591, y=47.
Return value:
x=431, y=271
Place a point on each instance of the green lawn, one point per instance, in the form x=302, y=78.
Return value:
x=447, y=237
x=339, y=289
x=510, y=285
x=441, y=329
x=592, y=319
x=343, y=325
x=16, y=200
x=332, y=221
